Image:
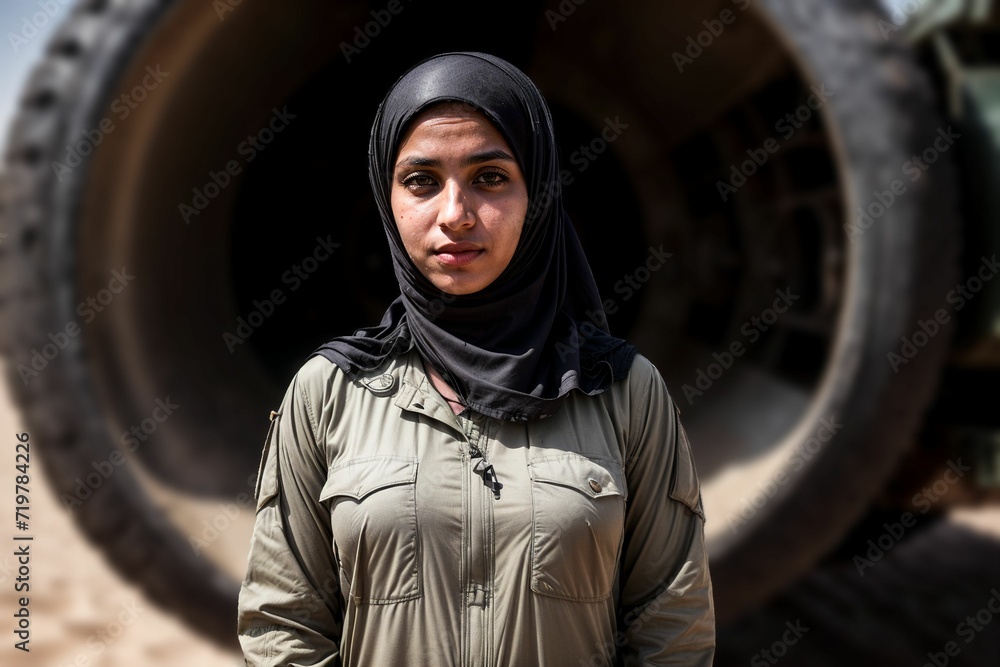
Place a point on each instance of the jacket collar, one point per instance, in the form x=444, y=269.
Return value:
x=405, y=378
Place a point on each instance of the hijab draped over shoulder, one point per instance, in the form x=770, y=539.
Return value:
x=514, y=349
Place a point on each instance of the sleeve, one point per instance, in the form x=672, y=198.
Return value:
x=289, y=603
x=666, y=610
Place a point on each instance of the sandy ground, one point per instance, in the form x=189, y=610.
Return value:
x=81, y=612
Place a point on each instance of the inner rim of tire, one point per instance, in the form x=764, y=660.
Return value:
x=655, y=184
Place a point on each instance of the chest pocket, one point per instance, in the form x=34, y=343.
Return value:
x=578, y=521
x=373, y=516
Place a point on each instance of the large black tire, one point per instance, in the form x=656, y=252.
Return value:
x=61, y=405
x=66, y=234
x=898, y=272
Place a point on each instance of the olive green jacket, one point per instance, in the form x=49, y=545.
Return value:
x=377, y=543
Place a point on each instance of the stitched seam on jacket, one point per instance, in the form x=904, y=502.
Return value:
x=313, y=427
x=631, y=426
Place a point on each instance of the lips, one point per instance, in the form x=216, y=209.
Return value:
x=458, y=254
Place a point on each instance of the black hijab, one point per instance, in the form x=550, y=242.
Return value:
x=514, y=349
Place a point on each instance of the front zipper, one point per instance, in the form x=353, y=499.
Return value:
x=477, y=586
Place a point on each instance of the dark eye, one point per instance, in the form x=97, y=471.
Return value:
x=493, y=178
x=416, y=181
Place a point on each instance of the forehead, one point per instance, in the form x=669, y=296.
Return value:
x=449, y=118
x=451, y=109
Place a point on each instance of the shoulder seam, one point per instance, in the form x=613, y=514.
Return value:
x=309, y=412
x=631, y=448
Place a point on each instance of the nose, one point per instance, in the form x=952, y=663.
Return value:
x=455, y=211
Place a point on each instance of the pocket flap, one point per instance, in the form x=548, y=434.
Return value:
x=590, y=477
x=359, y=477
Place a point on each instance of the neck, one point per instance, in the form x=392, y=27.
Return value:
x=444, y=389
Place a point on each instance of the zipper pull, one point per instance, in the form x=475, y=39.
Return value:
x=485, y=469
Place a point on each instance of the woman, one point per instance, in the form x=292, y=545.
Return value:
x=487, y=477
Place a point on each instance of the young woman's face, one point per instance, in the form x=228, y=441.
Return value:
x=458, y=197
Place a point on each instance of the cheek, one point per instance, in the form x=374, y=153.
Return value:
x=514, y=223
x=397, y=208
x=412, y=236
x=411, y=212
x=403, y=215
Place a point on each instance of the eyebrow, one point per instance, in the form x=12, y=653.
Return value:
x=475, y=158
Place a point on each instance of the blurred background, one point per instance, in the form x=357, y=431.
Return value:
x=790, y=207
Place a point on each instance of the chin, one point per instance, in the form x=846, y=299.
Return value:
x=460, y=287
